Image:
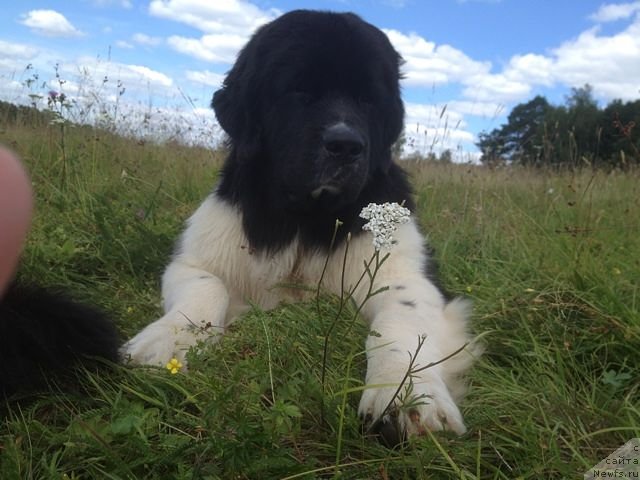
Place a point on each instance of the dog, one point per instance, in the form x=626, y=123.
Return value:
x=312, y=107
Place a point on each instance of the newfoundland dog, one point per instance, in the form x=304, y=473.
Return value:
x=312, y=108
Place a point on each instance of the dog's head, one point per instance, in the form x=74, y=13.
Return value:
x=313, y=104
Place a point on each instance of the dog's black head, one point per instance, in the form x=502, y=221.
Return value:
x=312, y=107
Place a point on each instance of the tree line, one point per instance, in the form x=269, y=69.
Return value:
x=577, y=133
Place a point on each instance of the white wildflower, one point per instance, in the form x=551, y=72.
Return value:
x=384, y=219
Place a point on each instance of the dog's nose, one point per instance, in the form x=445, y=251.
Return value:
x=340, y=140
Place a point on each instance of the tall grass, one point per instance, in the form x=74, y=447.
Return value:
x=551, y=261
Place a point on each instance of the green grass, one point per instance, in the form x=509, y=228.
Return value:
x=551, y=261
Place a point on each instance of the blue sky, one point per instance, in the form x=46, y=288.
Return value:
x=476, y=57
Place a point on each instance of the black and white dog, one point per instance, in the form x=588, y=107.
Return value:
x=312, y=108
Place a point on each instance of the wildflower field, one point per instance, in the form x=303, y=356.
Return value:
x=551, y=261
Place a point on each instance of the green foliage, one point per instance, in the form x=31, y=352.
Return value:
x=11, y=114
x=577, y=133
x=550, y=260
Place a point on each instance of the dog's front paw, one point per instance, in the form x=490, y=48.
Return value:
x=164, y=339
x=423, y=404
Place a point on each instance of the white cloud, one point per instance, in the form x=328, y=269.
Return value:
x=17, y=50
x=432, y=116
x=225, y=16
x=428, y=65
x=8, y=86
x=211, y=47
x=495, y=87
x=124, y=44
x=226, y=24
x=489, y=110
x=15, y=64
x=205, y=77
x=151, y=75
x=611, y=12
x=146, y=40
x=107, y=3
x=140, y=39
x=611, y=64
x=530, y=68
x=49, y=23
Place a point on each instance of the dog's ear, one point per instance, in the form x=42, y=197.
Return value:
x=395, y=121
x=229, y=111
x=235, y=109
x=394, y=106
x=392, y=131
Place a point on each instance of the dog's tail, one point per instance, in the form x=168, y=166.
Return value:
x=43, y=334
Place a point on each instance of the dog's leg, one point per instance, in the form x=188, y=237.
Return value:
x=413, y=332
x=408, y=369
x=195, y=303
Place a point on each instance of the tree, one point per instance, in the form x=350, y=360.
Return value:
x=581, y=97
x=621, y=132
x=585, y=124
x=518, y=141
x=522, y=132
x=578, y=132
x=446, y=156
x=492, y=146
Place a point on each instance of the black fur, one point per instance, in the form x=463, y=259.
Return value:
x=296, y=78
x=431, y=270
x=44, y=333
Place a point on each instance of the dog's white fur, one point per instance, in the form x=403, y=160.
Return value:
x=214, y=273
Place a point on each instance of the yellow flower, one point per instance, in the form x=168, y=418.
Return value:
x=174, y=366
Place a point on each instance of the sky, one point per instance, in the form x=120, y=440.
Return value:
x=467, y=62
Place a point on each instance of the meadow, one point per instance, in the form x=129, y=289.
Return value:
x=551, y=260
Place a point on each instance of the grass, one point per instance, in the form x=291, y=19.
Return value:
x=551, y=261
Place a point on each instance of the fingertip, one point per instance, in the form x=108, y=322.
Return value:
x=16, y=206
